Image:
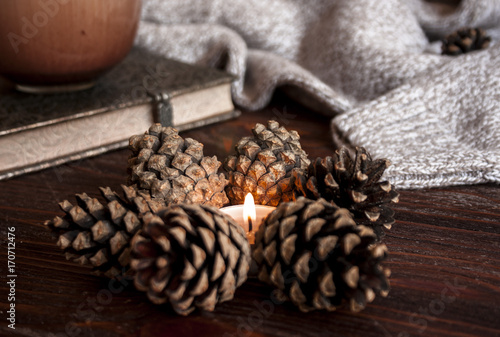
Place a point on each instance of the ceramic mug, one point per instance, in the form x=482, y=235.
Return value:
x=64, y=45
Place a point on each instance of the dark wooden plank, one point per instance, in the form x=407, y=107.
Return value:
x=444, y=257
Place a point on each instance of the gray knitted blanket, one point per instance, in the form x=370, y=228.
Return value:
x=373, y=66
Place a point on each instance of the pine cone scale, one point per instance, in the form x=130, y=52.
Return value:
x=465, y=40
x=99, y=235
x=206, y=262
x=353, y=183
x=345, y=255
x=173, y=170
x=263, y=165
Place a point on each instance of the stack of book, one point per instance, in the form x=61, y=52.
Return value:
x=39, y=131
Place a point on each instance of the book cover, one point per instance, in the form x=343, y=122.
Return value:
x=39, y=131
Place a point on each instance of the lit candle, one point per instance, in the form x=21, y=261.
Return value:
x=249, y=213
x=249, y=216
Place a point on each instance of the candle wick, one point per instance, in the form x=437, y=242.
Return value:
x=250, y=224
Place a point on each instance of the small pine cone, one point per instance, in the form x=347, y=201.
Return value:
x=192, y=256
x=352, y=183
x=465, y=40
x=319, y=258
x=263, y=165
x=99, y=235
x=174, y=169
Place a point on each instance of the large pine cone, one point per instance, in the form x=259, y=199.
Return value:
x=352, y=183
x=316, y=255
x=174, y=169
x=263, y=165
x=191, y=256
x=99, y=235
x=465, y=40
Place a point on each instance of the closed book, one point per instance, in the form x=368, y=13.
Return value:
x=39, y=131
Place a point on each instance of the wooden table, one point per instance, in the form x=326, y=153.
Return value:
x=444, y=257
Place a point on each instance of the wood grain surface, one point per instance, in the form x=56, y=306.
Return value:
x=444, y=258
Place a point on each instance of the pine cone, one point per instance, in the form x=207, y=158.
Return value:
x=352, y=183
x=465, y=40
x=99, y=235
x=316, y=256
x=263, y=165
x=191, y=256
x=174, y=169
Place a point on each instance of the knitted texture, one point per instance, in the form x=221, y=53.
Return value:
x=432, y=146
x=367, y=63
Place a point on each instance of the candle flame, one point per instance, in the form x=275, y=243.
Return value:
x=249, y=209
